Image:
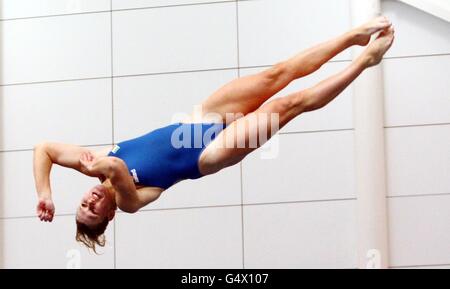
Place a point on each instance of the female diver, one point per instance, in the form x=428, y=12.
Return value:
x=135, y=173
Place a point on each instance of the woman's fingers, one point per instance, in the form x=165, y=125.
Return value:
x=83, y=157
x=48, y=216
x=40, y=213
x=45, y=215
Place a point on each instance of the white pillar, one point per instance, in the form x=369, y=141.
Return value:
x=368, y=105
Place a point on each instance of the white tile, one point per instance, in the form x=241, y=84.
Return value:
x=18, y=196
x=55, y=48
x=75, y=112
x=145, y=103
x=314, y=166
x=205, y=40
x=308, y=235
x=336, y=115
x=129, y=4
x=223, y=188
x=194, y=238
x=420, y=96
x=32, y=8
x=29, y=243
x=418, y=160
x=419, y=230
x=271, y=31
x=418, y=33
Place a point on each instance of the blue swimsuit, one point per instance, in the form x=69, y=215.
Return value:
x=167, y=155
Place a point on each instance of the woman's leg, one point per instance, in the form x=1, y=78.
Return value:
x=224, y=151
x=246, y=94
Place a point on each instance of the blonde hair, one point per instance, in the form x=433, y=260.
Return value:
x=92, y=237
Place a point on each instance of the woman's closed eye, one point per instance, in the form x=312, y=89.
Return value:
x=92, y=209
x=85, y=205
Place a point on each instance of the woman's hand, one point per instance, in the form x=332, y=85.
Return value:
x=45, y=209
x=87, y=161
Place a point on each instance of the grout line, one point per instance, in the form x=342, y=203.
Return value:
x=300, y=202
x=16, y=151
x=115, y=243
x=317, y=131
x=187, y=71
x=242, y=215
x=418, y=196
x=112, y=78
x=418, y=125
x=112, y=117
x=240, y=164
x=54, y=15
x=242, y=205
x=145, y=74
x=237, y=205
x=418, y=266
x=238, y=39
x=99, y=145
x=191, y=71
x=55, y=81
x=280, y=133
x=114, y=10
x=31, y=149
x=33, y=217
x=416, y=56
x=176, y=72
x=185, y=208
x=174, y=5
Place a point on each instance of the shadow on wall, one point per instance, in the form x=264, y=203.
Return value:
x=2, y=209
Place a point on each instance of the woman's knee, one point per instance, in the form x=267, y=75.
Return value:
x=276, y=75
x=295, y=102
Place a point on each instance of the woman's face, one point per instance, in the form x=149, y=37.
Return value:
x=96, y=205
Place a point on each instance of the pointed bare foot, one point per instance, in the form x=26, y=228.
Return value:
x=362, y=34
x=377, y=49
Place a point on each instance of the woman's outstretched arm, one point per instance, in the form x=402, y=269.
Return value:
x=45, y=155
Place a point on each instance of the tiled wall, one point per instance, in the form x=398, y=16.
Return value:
x=100, y=71
x=417, y=124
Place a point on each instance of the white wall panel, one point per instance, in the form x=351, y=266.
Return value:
x=417, y=33
x=193, y=238
x=314, y=166
x=417, y=90
x=305, y=235
x=418, y=160
x=76, y=112
x=35, y=8
x=55, y=48
x=419, y=230
x=205, y=40
x=28, y=243
x=129, y=4
x=272, y=31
